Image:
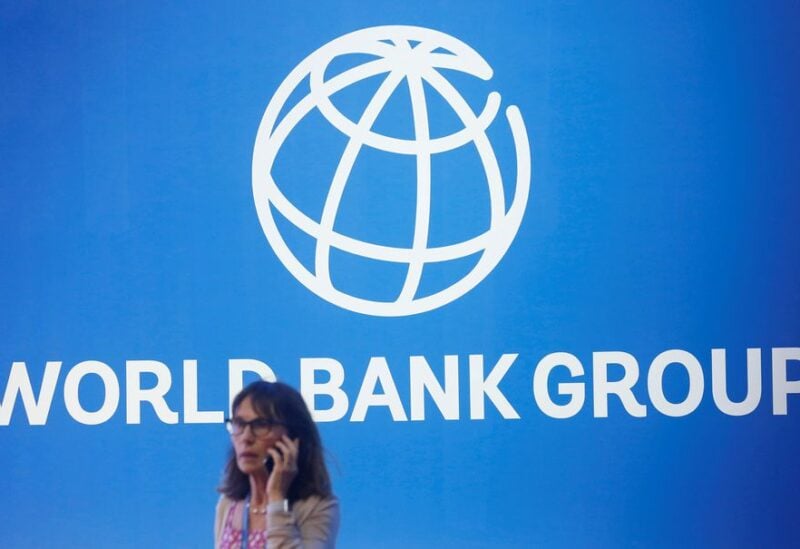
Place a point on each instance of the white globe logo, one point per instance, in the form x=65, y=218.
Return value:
x=407, y=56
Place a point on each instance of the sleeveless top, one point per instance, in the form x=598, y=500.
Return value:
x=232, y=537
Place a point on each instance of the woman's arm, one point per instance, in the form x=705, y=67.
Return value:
x=311, y=524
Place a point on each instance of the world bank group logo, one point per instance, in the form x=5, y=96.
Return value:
x=377, y=172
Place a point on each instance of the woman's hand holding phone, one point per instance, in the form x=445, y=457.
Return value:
x=284, y=467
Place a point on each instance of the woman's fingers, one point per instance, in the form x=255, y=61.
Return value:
x=294, y=446
x=289, y=450
x=285, y=452
x=284, y=456
x=277, y=458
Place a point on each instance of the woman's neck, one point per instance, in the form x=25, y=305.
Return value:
x=258, y=490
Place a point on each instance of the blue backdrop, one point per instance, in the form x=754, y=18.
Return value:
x=663, y=214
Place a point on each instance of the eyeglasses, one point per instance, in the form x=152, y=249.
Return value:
x=260, y=427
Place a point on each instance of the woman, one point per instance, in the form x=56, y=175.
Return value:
x=276, y=491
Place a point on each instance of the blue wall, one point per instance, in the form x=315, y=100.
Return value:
x=663, y=215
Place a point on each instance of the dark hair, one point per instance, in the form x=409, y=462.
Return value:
x=280, y=402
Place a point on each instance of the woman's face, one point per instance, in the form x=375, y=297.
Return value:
x=251, y=450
